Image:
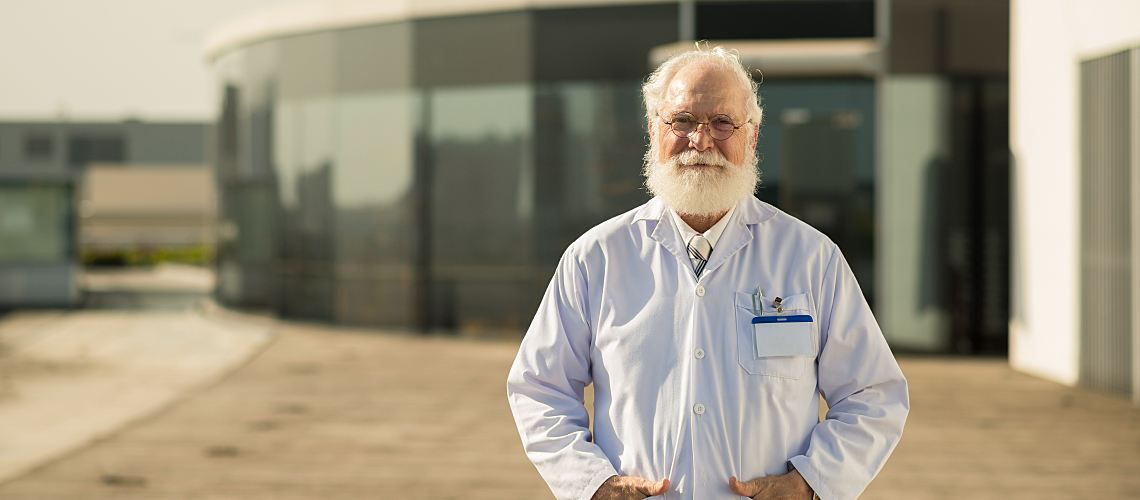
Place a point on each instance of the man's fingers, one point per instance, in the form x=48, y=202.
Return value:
x=748, y=489
x=649, y=488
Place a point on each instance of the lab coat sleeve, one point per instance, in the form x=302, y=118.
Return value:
x=865, y=391
x=545, y=384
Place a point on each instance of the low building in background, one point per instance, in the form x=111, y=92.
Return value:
x=42, y=168
x=38, y=256
x=147, y=214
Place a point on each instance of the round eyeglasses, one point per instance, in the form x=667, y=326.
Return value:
x=720, y=127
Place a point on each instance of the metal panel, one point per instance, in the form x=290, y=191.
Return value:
x=1106, y=295
x=1134, y=85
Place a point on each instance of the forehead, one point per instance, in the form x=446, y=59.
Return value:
x=704, y=89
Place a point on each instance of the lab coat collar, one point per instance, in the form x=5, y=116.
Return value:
x=736, y=236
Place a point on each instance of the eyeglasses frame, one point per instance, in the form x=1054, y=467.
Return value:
x=707, y=124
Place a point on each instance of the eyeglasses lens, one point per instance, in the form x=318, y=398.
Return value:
x=719, y=127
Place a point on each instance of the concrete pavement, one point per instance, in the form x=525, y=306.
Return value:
x=69, y=378
x=978, y=429
x=327, y=412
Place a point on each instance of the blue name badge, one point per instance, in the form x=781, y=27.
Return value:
x=782, y=335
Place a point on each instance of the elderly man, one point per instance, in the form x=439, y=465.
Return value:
x=709, y=323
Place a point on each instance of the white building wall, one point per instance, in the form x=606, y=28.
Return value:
x=1048, y=41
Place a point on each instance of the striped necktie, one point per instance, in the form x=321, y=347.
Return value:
x=699, y=251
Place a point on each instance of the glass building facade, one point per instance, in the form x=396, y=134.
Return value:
x=427, y=173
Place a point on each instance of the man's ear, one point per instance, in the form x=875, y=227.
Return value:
x=755, y=135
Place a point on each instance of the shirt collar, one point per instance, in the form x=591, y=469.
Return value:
x=713, y=233
x=752, y=211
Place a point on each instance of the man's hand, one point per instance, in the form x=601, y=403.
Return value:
x=790, y=486
x=630, y=488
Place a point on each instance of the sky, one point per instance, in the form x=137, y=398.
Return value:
x=111, y=59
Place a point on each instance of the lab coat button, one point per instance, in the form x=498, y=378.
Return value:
x=700, y=290
x=700, y=353
x=699, y=409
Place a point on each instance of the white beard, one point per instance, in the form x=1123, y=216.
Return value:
x=701, y=191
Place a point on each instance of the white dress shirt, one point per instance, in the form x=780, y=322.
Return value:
x=680, y=389
x=712, y=234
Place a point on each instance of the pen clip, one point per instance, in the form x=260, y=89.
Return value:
x=758, y=302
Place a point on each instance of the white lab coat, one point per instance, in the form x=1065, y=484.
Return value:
x=679, y=390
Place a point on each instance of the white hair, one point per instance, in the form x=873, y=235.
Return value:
x=658, y=82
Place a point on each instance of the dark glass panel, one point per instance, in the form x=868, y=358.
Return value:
x=377, y=225
x=481, y=208
x=784, y=19
x=832, y=188
x=39, y=146
x=374, y=58
x=35, y=222
x=972, y=189
x=249, y=208
x=610, y=43
x=376, y=222
x=590, y=140
x=86, y=149
x=166, y=143
x=304, y=159
x=306, y=66
x=476, y=49
x=304, y=154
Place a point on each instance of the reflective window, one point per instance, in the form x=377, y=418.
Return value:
x=302, y=114
x=473, y=50
x=86, y=149
x=603, y=44
x=832, y=188
x=943, y=214
x=378, y=228
x=34, y=223
x=374, y=58
x=39, y=147
x=378, y=222
x=374, y=182
x=590, y=142
x=785, y=19
x=306, y=163
x=482, y=205
x=250, y=214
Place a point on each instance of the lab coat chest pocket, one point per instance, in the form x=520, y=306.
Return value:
x=757, y=359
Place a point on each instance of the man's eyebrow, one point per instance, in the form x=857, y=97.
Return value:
x=672, y=114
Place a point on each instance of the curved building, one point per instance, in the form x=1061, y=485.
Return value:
x=424, y=164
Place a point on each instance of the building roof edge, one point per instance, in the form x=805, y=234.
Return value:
x=313, y=16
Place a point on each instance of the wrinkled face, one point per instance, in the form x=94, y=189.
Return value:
x=705, y=92
x=696, y=174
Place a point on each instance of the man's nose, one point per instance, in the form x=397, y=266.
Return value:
x=700, y=139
